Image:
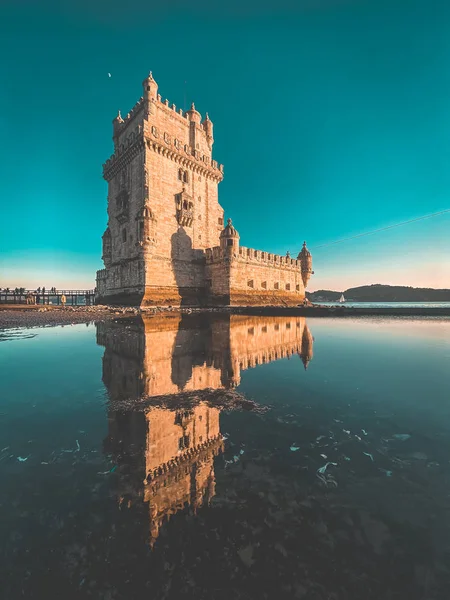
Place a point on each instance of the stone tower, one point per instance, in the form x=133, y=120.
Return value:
x=163, y=208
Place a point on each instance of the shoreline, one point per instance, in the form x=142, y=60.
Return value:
x=29, y=316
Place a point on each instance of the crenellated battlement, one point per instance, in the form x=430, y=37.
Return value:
x=250, y=255
x=185, y=156
x=120, y=123
x=255, y=358
x=165, y=105
x=185, y=457
x=123, y=122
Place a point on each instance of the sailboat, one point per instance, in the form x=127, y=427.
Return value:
x=342, y=299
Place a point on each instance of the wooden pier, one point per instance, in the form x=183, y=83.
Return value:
x=48, y=298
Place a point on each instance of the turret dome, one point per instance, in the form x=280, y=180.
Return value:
x=208, y=129
x=193, y=114
x=229, y=231
x=118, y=118
x=229, y=238
x=304, y=253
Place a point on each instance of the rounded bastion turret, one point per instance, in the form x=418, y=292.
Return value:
x=305, y=259
x=150, y=88
x=229, y=237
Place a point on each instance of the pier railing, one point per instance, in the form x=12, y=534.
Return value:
x=23, y=296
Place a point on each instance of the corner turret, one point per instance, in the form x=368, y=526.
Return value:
x=229, y=238
x=193, y=115
x=150, y=88
x=305, y=259
x=117, y=122
x=306, y=353
x=208, y=127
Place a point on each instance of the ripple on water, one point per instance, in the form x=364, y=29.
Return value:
x=8, y=335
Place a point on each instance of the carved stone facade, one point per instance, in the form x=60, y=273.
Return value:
x=165, y=452
x=165, y=242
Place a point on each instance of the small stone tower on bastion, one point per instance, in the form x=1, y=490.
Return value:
x=165, y=241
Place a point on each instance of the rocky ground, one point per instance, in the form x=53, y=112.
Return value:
x=45, y=316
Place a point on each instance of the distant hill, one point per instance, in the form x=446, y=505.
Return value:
x=323, y=295
x=382, y=293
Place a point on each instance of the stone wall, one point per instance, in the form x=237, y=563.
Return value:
x=246, y=276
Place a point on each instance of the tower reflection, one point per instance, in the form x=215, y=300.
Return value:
x=163, y=376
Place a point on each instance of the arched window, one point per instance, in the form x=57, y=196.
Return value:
x=229, y=242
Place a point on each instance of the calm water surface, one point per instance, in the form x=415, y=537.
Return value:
x=131, y=466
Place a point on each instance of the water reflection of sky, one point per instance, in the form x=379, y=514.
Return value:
x=192, y=496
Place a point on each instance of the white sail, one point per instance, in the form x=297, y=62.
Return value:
x=342, y=299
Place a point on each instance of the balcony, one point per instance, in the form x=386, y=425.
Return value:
x=185, y=216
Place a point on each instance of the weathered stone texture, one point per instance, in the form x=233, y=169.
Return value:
x=164, y=217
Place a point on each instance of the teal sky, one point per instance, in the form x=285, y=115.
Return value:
x=331, y=117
